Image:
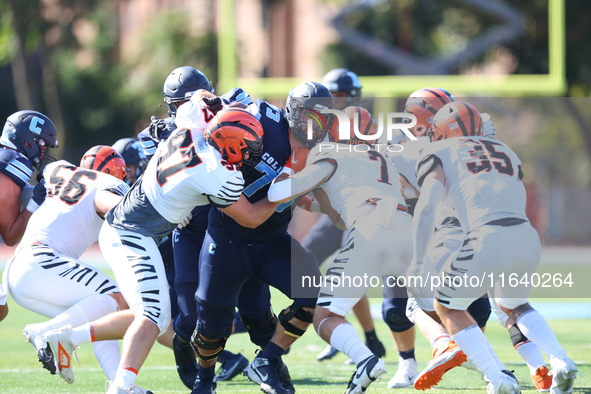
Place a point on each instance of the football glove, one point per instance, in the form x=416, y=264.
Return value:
x=39, y=194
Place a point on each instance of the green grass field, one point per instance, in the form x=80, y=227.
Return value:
x=21, y=373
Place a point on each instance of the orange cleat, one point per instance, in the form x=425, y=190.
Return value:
x=542, y=379
x=444, y=358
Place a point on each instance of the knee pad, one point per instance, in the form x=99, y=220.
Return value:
x=299, y=313
x=198, y=343
x=261, y=329
x=214, y=322
x=480, y=311
x=517, y=337
x=394, y=314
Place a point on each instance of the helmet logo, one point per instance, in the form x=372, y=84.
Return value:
x=34, y=125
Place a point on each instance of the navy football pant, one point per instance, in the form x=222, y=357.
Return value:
x=227, y=263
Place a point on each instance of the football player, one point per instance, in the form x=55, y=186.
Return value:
x=482, y=178
x=24, y=144
x=378, y=242
x=423, y=104
x=179, y=87
x=266, y=253
x=194, y=167
x=324, y=238
x=447, y=238
x=46, y=276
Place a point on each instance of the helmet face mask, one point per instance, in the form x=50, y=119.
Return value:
x=105, y=159
x=303, y=106
x=237, y=135
x=181, y=84
x=32, y=134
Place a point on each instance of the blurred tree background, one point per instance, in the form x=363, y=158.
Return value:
x=65, y=62
x=63, y=57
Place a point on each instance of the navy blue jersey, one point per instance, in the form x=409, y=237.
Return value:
x=15, y=166
x=276, y=152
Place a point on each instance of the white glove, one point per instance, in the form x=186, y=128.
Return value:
x=185, y=222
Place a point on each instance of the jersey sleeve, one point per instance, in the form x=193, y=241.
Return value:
x=119, y=188
x=227, y=190
x=317, y=154
x=426, y=164
x=236, y=95
x=15, y=166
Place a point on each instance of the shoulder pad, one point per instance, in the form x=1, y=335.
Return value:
x=15, y=166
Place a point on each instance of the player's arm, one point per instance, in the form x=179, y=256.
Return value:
x=13, y=221
x=250, y=215
x=285, y=188
x=106, y=199
x=327, y=208
x=432, y=192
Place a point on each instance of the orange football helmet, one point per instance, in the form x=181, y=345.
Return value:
x=424, y=104
x=456, y=119
x=361, y=120
x=237, y=135
x=105, y=159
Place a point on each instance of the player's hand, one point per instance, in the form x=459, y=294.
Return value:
x=213, y=104
x=157, y=128
x=39, y=194
x=185, y=222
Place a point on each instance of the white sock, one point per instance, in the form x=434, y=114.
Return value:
x=494, y=356
x=347, y=341
x=88, y=309
x=108, y=355
x=533, y=325
x=81, y=335
x=440, y=341
x=532, y=355
x=124, y=378
x=473, y=342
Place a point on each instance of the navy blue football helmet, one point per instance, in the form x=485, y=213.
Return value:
x=180, y=86
x=30, y=133
x=343, y=80
x=133, y=154
x=302, y=108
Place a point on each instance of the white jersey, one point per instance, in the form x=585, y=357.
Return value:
x=483, y=179
x=67, y=221
x=406, y=160
x=185, y=172
x=359, y=177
